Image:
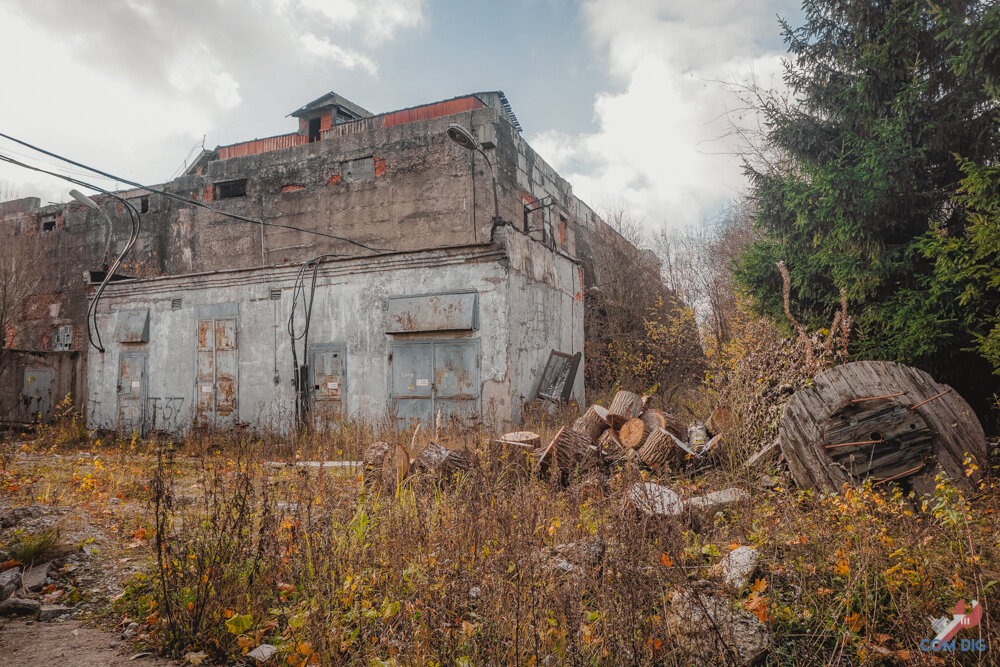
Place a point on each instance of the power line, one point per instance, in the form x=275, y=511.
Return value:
x=177, y=197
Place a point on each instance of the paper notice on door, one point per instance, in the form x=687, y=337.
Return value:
x=136, y=384
x=206, y=388
x=331, y=385
x=423, y=382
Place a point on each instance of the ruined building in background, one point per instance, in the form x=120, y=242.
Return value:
x=447, y=311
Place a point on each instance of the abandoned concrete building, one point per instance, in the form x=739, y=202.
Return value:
x=440, y=290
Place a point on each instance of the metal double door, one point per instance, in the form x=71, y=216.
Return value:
x=431, y=377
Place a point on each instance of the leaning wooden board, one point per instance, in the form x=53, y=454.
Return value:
x=877, y=419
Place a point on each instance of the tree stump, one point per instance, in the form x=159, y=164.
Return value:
x=443, y=462
x=633, y=433
x=665, y=420
x=659, y=450
x=878, y=420
x=372, y=461
x=624, y=406
x=592, y=423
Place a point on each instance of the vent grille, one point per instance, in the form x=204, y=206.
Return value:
x=175, y=304
x=275, y=294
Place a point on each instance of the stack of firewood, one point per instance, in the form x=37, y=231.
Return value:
x=625, y=431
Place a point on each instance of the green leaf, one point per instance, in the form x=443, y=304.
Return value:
x=239, y=624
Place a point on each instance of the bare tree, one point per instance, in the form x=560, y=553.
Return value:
x=20, y=277
x=638, y=333
x=697, y=266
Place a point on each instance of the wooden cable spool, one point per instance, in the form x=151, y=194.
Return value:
x=592, y=423
x=633, y=433
x=624, y=406
x=878, y=420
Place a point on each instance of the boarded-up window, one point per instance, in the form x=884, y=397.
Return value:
x=449, y=311
x=362, y=169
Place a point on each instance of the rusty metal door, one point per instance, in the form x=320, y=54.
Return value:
x=36, y=394
x=132, y=392
x=328, y=373
x=431, y=376
x=410, y=379
x=456, y=380
x=216, y=376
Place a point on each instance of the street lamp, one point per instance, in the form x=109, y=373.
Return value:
x=464, y=138
x=90, y=203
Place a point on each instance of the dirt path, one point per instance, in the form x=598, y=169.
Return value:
x=68, y=643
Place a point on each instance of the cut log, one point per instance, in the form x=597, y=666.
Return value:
x=610, y=447
x=877, y=420
x=372, y=461
x=654, y=500
x=721, y=421
x=665, y=420
x=443, y=462
x=633, y=433
x=523, y=438
x=573, y=450
x=395, y=466
x=624, y=406
x=592, y=423
x=659, y=451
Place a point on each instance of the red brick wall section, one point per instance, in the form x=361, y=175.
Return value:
x=379, y=165
x=292, y=188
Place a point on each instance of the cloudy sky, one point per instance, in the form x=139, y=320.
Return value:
x=625, y=98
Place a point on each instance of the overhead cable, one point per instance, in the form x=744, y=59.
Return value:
x=188, y=200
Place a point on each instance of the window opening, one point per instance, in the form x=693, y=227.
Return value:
x=313, y=129
x=231, y=189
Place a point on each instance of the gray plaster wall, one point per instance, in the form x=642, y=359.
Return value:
x=526, y=308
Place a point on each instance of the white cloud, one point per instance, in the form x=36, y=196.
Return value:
x=323, y=48
x=660, y=147
x=131, y=85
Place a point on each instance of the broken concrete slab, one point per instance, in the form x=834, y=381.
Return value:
x=19, y=607
x=34, y=578
x=736, y=567
x=709, y=629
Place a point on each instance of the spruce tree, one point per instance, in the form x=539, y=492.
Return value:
x=881, y=109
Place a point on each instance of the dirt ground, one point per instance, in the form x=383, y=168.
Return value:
x=69, y=643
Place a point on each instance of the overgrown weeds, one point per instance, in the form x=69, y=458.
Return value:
x=33, y=548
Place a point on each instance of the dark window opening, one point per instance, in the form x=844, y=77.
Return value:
x=275, y=294
x=48, y=223
x=313, y=129
x=144, y=205
x=230, y=189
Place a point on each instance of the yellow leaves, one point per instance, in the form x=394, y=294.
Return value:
x=553, y=526
x=843, y=566
x=854, y=622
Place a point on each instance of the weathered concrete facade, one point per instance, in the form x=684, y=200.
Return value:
x=476, y=362
x=392, y=181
